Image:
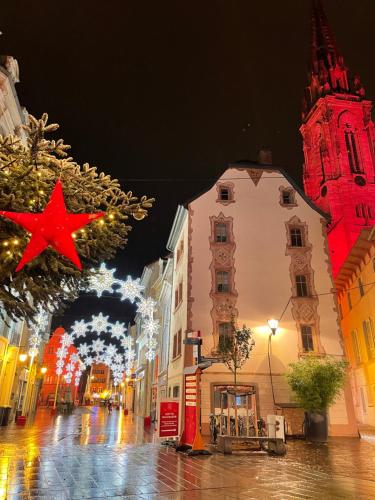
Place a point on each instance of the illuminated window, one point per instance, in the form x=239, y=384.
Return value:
x=296, y=239
x=301, y=286
x=307, y=338
x=221, y=232
x=222, y=281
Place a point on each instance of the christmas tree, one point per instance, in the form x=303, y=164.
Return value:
x=28, y=174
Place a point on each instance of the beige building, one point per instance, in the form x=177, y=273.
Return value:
x=356, y=285
x=254, y=246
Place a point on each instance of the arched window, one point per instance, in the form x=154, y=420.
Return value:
x=352, y=151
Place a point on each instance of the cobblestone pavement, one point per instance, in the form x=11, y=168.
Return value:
x=94, y=455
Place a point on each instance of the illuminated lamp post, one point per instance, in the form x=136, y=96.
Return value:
x=273, y=326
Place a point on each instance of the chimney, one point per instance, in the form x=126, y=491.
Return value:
x=265, y=157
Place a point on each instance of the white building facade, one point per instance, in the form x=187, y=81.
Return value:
x=253, y=247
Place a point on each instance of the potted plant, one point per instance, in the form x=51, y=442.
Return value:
x=316, y=383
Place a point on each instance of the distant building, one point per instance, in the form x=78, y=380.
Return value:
x=65, y=391
x=99, y=381
x=338, y=143
x=151, y=375
x=12, y=116
x=356, y=284
x=253, y=247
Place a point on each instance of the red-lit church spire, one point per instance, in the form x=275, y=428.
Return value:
x=338, y=142
x=328, y=71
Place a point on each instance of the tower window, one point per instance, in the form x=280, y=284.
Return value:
x=351, y=149
x=349, y=300
x=363, y=211
x=307, y=338
x=221, y=232
x=301, y=286
x=296, y=239
x=222, y=281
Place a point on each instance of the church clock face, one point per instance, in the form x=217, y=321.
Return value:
x=360, y=181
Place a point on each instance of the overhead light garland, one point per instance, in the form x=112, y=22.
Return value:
x=95, y=350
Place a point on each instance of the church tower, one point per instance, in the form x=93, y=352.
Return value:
x=338, y=142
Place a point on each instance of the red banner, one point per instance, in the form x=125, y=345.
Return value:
x=168, y=418
x=190, y=408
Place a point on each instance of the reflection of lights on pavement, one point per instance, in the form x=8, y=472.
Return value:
x=56, y=429
x=119, y=426
x=3, y=477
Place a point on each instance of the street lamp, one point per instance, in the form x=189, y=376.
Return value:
x=23, y=357
x=43, y=370
x=273, y=324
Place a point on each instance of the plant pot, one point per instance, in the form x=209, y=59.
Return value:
x=316, y=426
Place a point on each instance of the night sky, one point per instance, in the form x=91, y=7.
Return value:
x=163, y=94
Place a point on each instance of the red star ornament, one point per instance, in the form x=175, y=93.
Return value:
x=53, y=227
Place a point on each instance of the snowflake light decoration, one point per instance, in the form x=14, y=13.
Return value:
x=102, y=281
x=127, y=342
x=146, y=307
x=98, y=345
x=84, y=349
x=118, y=330
x=99, y=323
x=130, y=289
x=79, y=328
x=150, y=326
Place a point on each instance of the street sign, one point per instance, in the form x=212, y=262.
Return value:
x=193, y=341
x=193, y=335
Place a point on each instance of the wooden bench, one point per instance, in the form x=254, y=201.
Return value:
x=274, y=446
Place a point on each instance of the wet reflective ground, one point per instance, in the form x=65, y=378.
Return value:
x=94, y=455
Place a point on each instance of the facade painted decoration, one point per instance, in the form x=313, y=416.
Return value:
x=338, y=143
x=253, y=259
x=356, y=295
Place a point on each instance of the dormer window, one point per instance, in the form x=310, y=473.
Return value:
x=287, y=197
x=225, y=194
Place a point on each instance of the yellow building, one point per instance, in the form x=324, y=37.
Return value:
x=356, y=285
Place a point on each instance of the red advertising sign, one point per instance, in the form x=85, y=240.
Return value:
x=168, y=418
x=190, y=408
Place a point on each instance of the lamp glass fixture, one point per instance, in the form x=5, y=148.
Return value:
x=273, y=324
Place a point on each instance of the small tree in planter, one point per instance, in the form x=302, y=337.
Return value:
x=234, y=349
x=316, y=383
